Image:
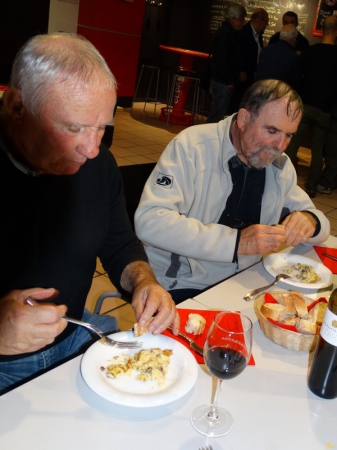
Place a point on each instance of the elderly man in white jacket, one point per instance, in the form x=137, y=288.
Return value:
x=209, y=208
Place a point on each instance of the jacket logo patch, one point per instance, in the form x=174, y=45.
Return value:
x=165, y=180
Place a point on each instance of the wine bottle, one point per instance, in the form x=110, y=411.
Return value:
x=322, y=379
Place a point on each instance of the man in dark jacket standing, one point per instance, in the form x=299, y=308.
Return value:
x=251, y=44
x=226, y=64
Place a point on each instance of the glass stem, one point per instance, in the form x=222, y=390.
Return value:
x=213, y=412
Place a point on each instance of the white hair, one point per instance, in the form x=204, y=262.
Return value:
x=56, y=58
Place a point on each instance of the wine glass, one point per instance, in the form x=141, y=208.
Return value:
x=227, y=351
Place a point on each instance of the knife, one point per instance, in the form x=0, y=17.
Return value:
x=329, y=256
x=193, y=345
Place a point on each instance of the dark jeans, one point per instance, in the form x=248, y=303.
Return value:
x=318, y=121
x=329, y=174
x=15, y=371
x=221, y=97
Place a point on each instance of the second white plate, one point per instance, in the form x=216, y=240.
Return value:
x=276, y=263
x=128, y=391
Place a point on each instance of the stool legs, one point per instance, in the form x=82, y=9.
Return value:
x=155, y=72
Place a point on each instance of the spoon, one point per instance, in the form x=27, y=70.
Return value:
x=279, y=277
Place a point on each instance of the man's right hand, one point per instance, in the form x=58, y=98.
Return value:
x=258, y=239
x=25, y=329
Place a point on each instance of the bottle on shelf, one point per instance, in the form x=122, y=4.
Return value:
x=322, y=379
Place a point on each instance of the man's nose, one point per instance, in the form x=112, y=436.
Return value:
x=282, y=142
x=90, y=145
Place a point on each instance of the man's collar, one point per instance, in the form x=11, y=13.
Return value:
x=18, y=164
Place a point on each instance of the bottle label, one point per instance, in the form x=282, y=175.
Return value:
x=329, y=328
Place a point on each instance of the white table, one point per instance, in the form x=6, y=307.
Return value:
x=270, y=402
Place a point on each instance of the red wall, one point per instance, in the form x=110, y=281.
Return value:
x=115, y=28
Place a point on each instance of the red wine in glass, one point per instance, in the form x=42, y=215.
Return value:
x=227, y=351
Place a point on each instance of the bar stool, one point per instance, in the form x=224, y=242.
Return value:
x=194, y=87
x=155, y=73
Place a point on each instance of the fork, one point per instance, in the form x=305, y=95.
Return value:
x=278, y=277
x=105, y=339
x=208, y=447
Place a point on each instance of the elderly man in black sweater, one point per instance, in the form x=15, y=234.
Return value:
x=63, y=206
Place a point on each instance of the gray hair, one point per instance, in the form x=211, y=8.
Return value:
x=235, y=11
x=288, y=33
x=56, y=58
x=267, y=91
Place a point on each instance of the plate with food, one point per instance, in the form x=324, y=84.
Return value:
x=160, y=372
x=305, y=272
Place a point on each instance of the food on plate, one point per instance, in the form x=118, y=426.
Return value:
x=195, y=324
x=140, y=330
x=274, y=311
x=303, y=319
x=306, y=273
x=151, y=364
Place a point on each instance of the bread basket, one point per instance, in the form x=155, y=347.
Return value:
x=288, y=339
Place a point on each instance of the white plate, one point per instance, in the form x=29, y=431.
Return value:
x=126, y=390
x=276, y=263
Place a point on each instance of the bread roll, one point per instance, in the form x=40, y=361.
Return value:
x=317, y=313
x=274, y=311
x=288, y=302
x=300, y=305
x=139, y=331
x=195, y=324
x=306, y=327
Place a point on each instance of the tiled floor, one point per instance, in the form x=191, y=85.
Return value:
x=139, y=138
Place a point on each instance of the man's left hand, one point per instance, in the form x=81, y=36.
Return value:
x=300, y=226
x=149, y=298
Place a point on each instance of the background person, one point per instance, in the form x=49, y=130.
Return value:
x=62, y=200
x=319, y=93
x=225, y=185
x=279, y=61
x=291, y=18
x=251, y=43
x=226, y=63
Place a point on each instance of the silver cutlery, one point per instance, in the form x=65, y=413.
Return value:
x=251, y=294
x=193, y=345
x=208, y=447
x=105, y=339
x=329, y=256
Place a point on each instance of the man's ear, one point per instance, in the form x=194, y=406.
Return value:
x=12, y=102
x=243, y=118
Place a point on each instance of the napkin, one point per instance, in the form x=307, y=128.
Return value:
x=328, y=262
x=200, y=338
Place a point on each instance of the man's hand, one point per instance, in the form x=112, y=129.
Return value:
x=258, y=239
x=25, y=329
x=149, y=298
x=299, y=226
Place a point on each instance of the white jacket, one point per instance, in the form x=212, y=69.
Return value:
x=183, y=200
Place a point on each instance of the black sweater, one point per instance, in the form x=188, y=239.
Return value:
x=52, y=229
